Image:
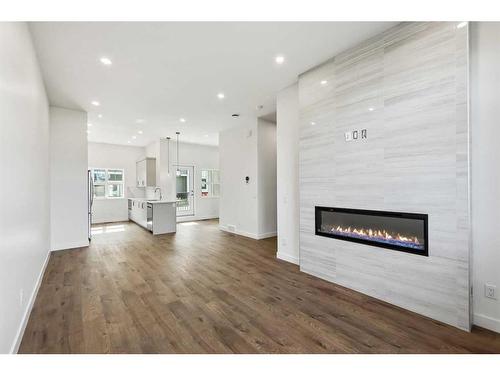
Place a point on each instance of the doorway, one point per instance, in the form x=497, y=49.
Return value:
x=184, y=183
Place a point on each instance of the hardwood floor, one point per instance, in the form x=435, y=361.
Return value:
x=206, y=291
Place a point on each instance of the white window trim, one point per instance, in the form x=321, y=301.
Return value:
x=107, y=182
x=211, y=183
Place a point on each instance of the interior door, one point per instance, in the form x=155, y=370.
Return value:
x=185, y=190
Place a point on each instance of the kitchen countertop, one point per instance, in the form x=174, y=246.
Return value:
x=152, y=201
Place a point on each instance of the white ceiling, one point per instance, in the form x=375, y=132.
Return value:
x=163, y=71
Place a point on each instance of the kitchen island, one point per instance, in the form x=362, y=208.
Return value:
x=157, y=216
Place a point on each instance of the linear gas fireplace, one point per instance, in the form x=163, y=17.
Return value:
x=392, y=230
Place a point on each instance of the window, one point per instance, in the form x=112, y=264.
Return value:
x=108, y=183
x=210, y=185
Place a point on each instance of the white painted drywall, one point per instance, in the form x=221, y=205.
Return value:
x=485, y=170
x=238, y=210
x=103, y=155
x=287, y=139
x=24, y=161
x=68, y=179
x=266, y=180
x=248, y=209
x=199, y=156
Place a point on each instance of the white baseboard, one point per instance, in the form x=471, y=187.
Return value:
x=70, y=245
x=255, y=236
x=261, y=236
x=487, y=322
x=20, y=332
x=287, y=257
x=182, y=219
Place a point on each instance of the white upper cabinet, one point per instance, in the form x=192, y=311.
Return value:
x=146, y=172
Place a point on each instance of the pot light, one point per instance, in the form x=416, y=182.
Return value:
x=221, y=95
x=371, y=109
x=313, y=123
x=99, y=115
x=105, y=61
x=134, y=137
x=95, y=102
x=324, y=82
x=461, y=24
x=88, y=131
x=279, y=59
x=89, y=125
x=182, y=119
x=139, y=131
x=129, y=142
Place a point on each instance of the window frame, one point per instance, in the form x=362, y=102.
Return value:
x=209, y=183
x=107, y=182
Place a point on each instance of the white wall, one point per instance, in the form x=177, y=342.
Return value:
x=199, y=156
x=103, y=155
x=248, y=150
x=238, y=210
x=287, y=135
x=266, y=180
x=68, y=179
x=24, y=155
x=485, y=131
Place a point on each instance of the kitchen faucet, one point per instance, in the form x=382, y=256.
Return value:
x=157, y=188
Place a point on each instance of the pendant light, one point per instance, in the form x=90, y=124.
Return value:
x=178, y=171
x=168, y=155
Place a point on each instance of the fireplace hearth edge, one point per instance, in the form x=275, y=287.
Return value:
x=401, y=231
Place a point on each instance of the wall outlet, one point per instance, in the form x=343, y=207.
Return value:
x=490, y=291
x=21, y=297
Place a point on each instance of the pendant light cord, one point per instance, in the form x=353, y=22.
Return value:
x=168, y=155
x=177, y=133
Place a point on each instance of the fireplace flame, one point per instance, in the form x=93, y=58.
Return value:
x=376, y=234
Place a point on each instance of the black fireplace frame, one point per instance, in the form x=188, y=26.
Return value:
x=405, y=215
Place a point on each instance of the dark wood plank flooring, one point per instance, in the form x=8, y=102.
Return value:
x=206, y=291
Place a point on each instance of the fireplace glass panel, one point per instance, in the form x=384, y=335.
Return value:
x=395, y=230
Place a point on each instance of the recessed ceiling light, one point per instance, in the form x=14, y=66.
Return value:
x=313, y=123
x=371, y=109
x=129, y=142
x=221, y=95
x=139, y=131
x=461, y=24
x=182, y=119
x=99, y=115
x=106, y=61
x=324, y=82
x=279, y=59
x=89, y=124
x=96, y=103
x=134, y=137
x=88, y=131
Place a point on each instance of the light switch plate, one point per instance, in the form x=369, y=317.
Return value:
x=348, y=136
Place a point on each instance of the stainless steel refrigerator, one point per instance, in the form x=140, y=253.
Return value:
x=90, y=191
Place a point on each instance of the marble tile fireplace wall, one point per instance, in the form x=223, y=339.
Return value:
x=408, y=89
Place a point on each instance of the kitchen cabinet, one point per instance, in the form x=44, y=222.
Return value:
x=138, y=212
x=160, y=218
x=146, y=172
